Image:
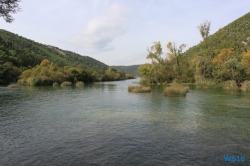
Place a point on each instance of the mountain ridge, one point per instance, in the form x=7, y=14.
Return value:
x=27, y=52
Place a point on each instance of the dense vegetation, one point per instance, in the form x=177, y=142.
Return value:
x=49, y=73
x=18, y=54
x=222, y=59
x=24, y=52
x=133, y=69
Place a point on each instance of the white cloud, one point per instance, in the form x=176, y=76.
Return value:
x=102, y=30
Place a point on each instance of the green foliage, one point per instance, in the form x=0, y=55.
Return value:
x=204, y=29
x=133, y=69
x=8, y=73
x=221, y=60
x=145, y=81
x=31, y=53
x=230, y=84
x=202, y=82
x=234, y=35
x=48, y=73
x=130, y=76
x=7, y=7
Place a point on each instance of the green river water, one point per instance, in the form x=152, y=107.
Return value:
x=103, y=124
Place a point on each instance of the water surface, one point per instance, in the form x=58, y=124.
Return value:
x=103, y=124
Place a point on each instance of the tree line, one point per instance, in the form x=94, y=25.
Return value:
x=217, y=58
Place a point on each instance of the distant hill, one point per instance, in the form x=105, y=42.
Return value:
x=133, y=69
x=234, y=35
x=24, y=52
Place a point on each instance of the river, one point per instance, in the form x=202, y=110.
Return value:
x=103, y=124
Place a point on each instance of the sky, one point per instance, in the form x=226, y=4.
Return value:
x=119, y=32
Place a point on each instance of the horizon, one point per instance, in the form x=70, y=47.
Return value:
x=116, y=32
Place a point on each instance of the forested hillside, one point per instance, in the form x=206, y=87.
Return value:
x=219, y=60
x=24, y=52
x=133, y=69
x=235, y=35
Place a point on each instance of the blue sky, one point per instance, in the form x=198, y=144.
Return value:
x=118, y=32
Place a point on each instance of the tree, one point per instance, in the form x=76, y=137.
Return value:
x=228, y=67
x=154, y=53
x=246, y=61
x=204, y=29
x=7, y=7
x=175, y=53
x=224, y=55
x=45, y=62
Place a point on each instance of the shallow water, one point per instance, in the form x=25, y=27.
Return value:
x=103, y=124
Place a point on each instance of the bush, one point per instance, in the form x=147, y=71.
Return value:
x=79, y=84
x=245, y=86
x=13, y=86
x=176, y=90
x=55, y=84
x=130, y=76
x=145, y=81
x=139, y=89
x=202, y=82
x=230, y=84
x=190, y=85
x=66, y=83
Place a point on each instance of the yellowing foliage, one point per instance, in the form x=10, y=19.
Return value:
x=45, y=62
x=194, y=60
x=246, y=61
x=223, y=56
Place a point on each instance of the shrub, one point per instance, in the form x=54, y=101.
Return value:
x=145, y=81
x=45, y=62
x=230, y=84
x=202, y=82
x=22, y=81
x=176, y=90
x=12, y=86
x=245, y=86
x=130, y=76
x=66, y=83
x=190, y=85
x=79, y=84
x=55, y=84
x=139, y=89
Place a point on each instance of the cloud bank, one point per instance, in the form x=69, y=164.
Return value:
x=102, y=30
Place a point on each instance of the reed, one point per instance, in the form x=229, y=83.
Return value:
x=79, y=84
x=13, y=86
x=176, y=90
x=245, y=86
x=145, y=81
x=202, y=82
x=190, y=85
x=139, y=89
x=55, y=84
x=230, y=84
x=66, y=83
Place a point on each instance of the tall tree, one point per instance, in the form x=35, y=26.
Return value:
x=154, y=53
x=7, y=7
x=175, y=53
x=204, y=29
